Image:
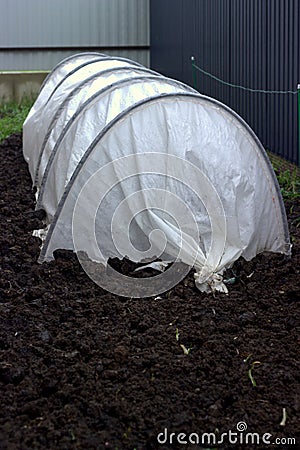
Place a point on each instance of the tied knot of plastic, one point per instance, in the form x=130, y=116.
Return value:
x=211, y=284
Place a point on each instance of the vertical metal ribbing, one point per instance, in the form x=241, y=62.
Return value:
x=252, y=43
x=298, y=87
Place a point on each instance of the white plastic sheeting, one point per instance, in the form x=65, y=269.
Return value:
x=126, y=151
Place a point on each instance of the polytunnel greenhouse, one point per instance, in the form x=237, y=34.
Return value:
x=129, y=163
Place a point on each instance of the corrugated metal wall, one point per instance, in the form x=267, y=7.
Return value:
x=36, y=34
x=252, y=43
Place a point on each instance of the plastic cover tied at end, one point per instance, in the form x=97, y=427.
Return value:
x=153, y=171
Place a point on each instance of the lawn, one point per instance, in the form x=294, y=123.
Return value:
x=12, y=116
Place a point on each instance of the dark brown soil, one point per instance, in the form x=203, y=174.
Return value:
x=84, y=369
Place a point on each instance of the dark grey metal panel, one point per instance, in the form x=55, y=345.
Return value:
x=283, y=73
x=166, y=36
x=251, y=43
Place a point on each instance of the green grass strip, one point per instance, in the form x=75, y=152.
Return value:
x=12, y=116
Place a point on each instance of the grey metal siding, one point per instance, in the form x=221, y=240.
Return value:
x=251, y=43
x=36, y=34
x=48, y=58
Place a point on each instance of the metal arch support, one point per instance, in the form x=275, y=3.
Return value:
x=68, y=98
x=87, y=63
x=64, y=61
x=120, y=116
x=85, y=105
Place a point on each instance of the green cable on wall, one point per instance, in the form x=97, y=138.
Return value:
x=196, y=68
x=237, y=86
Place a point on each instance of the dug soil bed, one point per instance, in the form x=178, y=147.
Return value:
x=81, y=368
